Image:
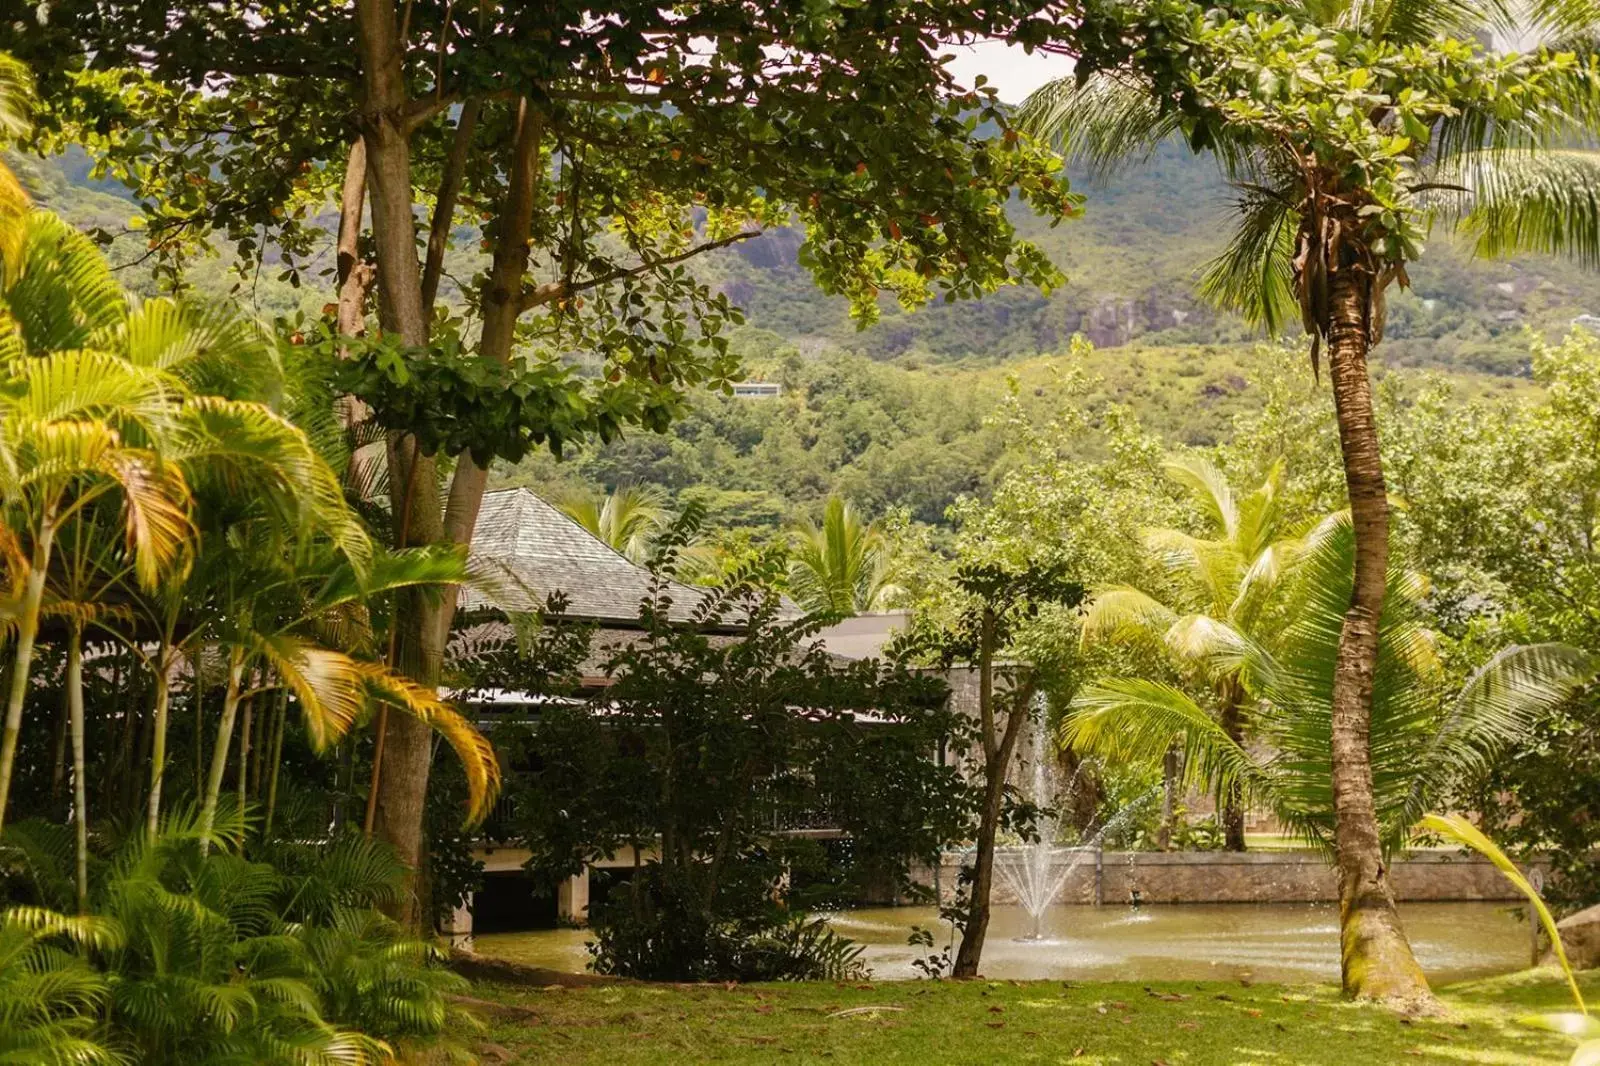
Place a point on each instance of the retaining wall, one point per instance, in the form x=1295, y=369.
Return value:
x=1250, y=877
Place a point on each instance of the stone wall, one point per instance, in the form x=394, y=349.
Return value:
x=1252, y=877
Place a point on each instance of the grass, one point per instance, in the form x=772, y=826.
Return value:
x=1127, y=1024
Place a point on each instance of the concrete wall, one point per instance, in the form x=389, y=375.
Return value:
x=1258, y=877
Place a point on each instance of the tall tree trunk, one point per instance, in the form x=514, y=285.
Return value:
x=80, y=787
x=22, y=663
x=1231, y=812
x=58, y=753
x=385, y=131
x=245, y=736
x=219, y=753
x=1375, y=957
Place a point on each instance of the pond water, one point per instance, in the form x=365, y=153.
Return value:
x=1170, y=942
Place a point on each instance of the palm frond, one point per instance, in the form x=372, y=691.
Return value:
x=473, y=750
x=1526, y=201
x=1254, y=275
x=1137, y=721
x=1123, y=611
x=1102, y=123
x=1496, y=708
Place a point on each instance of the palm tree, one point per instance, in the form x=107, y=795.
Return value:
x=302, y=618
x=1225, y=588
x=1423, y=739
x=76, y=424
x=1348, y=127
x=841, y=567
x=629, y=518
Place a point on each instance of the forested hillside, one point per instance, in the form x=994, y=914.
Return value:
x=894, y=415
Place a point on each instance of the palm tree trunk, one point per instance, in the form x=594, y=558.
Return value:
x=22, y=664
x=219, y=754
x=80, y=787
x=1232, y=811
x=1376, y=959
x=1169, y=798
x=166, y=662
x=281, y=715
x=244, y=750
x=58, y=754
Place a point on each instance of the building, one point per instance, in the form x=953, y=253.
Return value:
x=533, y=551
x=756, y=390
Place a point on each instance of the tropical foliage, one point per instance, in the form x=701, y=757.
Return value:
x=1423, y=739
x=628, y=518
x=843, y=566
x=195, y=954
x=1224, y=588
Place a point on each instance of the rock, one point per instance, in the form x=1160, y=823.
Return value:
x=1580, y=935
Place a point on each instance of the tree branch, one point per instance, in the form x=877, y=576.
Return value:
x=444, y=204
x=539, y=295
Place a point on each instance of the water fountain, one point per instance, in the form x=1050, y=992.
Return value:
x=1036, y=872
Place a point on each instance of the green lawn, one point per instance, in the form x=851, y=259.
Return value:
x=923, y=1023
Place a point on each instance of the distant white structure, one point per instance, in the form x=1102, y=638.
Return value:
x=757, y=390
x=1588, y=322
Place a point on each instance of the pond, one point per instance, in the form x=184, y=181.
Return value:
x=1171, y=942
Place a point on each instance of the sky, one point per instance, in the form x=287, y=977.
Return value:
x=1013, y=72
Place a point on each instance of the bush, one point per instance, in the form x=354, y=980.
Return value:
x=644, y=934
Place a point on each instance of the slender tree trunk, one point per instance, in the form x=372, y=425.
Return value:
x=1376, y=959
x=58, y=753
x=970, y=954
x=219, y=754
x=166, y=666
x=80, y=788
x=22, y=663
x=197, y=684
x=1169, y=798
x=245, y=736
x=280, y=720
x=1231, y=812
x=998, y=749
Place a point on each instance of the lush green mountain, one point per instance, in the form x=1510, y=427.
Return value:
x=1131, y=263
x=890, y=435
x=896, y=415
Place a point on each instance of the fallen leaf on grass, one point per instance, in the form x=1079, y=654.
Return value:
x=1190, y=1026
x=996, y=1025
x=850, y=1012
x=1077, y=1052
x=997, y=1010
x=1252, y=1012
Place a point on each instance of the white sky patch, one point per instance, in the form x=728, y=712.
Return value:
x=1013, y=72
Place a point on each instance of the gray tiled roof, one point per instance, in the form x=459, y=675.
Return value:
x=543, y=551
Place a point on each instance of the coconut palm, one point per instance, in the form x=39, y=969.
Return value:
x=841, y=566
x=1223, y=589
x=629, y=518
x=1423, y=737
x=1342, y=159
